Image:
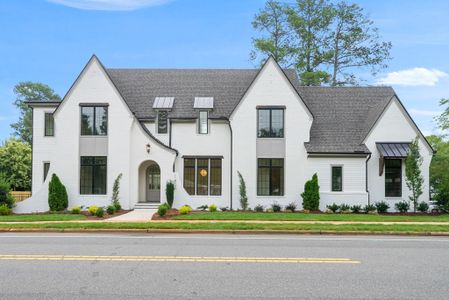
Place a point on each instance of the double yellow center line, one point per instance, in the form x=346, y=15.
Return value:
x=204, y=259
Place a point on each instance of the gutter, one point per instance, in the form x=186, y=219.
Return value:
x=366, y=177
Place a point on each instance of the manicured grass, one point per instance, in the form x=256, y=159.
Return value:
x=310, y=217
x=234, y=226
x=41, y=217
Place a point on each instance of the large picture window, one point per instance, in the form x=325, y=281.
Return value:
x=49, y=125
x=94, y=120
x=393, y=178
x=337, y=178
x=202, y=176
x=270, y=177
x=162, y=122
x=93, y=174
x=270, y=122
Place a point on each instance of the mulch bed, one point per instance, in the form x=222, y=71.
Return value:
x=170, y=213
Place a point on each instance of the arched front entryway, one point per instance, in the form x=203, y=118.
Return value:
x=149, y=182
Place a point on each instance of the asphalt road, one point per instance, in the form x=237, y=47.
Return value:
x=131, y=266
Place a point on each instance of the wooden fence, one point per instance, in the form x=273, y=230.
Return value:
x=20, y=196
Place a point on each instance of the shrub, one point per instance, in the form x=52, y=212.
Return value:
x=92, y=209
x=212, y=208
x=276, y=207
x=115, y=193
x=291, y=207
x=333, y=207
x=225, y=208
x=242, y=190
x=345, y=207
x=402, y=206
x=382, y=207
x=170, y=192
x=76, y=210
x=259, y=208
x=311, y=194
x=5, y=210
x=110, y=209
x=356, y=208
x=185, y=209
x=369, y=208
x=5, y=194
x=100, y=212
x=162, y=209
x=203, y=207
x=423, y=207
x=57, y=194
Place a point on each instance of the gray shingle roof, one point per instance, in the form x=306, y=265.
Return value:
x=343, y=116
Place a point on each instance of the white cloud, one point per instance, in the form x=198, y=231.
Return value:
x=413, y=77
x=109, y=4
x=423, y=112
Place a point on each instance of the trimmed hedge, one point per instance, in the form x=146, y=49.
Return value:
x=57, y=195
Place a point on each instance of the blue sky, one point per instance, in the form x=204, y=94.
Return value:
x=50, y=42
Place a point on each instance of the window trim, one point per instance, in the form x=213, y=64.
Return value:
x=401, y=179
x=94, y=127
x=282, y=194
x=270, y=109
x=332, y=178
x=199, y=121
x=166, y=120
x=52, y=125
x=195, y=174
x=93, y=177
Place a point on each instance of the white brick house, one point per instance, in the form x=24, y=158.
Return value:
x=200, y=127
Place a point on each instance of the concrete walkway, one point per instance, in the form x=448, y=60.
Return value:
x=137, y=215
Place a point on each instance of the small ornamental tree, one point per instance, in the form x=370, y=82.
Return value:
x=170, y=192
x=311, y=194
x=57, y=194
x=5, y=195
x=413, y=176
x=243, y=196
x=116, y=191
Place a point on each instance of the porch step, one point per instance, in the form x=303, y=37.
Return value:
x=146, y=205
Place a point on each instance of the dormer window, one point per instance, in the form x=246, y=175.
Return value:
x=203, y=122
x=162, y=122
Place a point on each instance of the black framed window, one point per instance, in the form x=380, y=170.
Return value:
x=270, y=122
x=94, y=120
x=203, y=176
x=270, y=177
x=337, y=178
x=46, y=168
x=49, y=125
x=162, y=121
x=393, y=178
x=93, y=175
x=203, y=122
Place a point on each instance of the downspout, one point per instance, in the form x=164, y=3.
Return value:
x=366, y=177
x=169, y=144
x=230, y=129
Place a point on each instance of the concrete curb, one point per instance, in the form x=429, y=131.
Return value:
x=252, y=232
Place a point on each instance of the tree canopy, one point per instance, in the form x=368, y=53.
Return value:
x=15, y=164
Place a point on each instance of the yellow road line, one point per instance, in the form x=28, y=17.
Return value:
x=182, y=259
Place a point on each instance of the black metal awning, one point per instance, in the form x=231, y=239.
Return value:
x=393, y=150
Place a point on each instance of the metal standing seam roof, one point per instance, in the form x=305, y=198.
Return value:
x=398, y=150
x=204, y=102
x=342, y=116
x=163, y=102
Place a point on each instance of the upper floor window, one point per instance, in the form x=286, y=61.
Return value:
x=337, y=178
x=203, y=122
x=49, y=125
x=393, y=178
x=270, y=122
x=94, y=120
x=162, y=121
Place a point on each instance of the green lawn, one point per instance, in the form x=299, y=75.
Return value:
x=309, y=217
x=41, y=217
x=233, y=226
